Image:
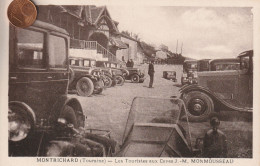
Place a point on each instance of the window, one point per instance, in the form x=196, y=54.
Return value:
x=93, y=63
x=57, y=54
x=74, y=62
x=113, y=65
x=30, y=49
x=86, y=63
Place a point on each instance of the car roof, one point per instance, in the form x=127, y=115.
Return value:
x=246, y=53
x=226, y=60
x=50, y=27
x=189, y=61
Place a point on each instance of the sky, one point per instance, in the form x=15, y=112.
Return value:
x=206, y=32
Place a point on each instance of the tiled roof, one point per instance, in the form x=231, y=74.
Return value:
x=96, y=12
x=73, y=10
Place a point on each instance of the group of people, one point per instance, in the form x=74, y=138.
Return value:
x=130, y=63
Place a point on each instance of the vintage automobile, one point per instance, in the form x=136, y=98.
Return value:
x=117, y=73
x=170, y=75
x=154, y=129
x=203, y=65
x=189, y=75
x=42, y=120
x=85, y=77
x=135, y=75
x=221, y=90
x=106, y=75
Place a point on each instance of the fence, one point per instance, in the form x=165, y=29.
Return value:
x=92, y=45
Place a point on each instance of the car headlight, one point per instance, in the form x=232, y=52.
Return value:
x=19, y=125
x=96, y=73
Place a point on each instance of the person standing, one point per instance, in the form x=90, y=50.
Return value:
x=215, y=142
x=128, y=63
x=151, y=73
x=131, y=63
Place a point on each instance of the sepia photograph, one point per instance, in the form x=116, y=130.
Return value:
x=111, y=80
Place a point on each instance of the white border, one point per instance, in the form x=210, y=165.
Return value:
x=4, y=44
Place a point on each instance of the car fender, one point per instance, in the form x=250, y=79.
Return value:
x=72, y=102
x=218, y=102
x=28, y=110
x=125, y=71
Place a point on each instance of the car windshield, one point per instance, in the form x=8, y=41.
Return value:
x=156, y=111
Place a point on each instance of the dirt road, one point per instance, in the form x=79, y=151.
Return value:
x=110, y=110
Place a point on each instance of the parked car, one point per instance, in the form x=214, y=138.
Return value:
x=117, y=72
x=189, y=75
x=135, y=75
x=38, y=85
x=106, y=75
x=154, y=129
x=203, y=65
x=42, y=120
x=170, y=75
x=221, y=90
x=84, y=77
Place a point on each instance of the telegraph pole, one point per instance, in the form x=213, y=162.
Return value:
x=177, y=47
x=181, y=47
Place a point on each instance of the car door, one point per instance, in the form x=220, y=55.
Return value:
x=28, y=71
x=57, y=65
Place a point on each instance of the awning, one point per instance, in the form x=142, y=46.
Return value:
x=117, y=42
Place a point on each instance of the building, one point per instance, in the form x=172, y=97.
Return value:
x=94, y=34
x=133, y=51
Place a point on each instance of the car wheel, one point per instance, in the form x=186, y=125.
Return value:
x=69, y=115
x=100, y=89
x=120, y=80
x=107, y=81
x=85, y=87
x=135, y=78
x=199, y=105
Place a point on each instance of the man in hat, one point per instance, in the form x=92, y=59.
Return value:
x=215, y=142
x=151, y=73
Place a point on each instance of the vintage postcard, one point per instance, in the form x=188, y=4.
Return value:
x=129, y=82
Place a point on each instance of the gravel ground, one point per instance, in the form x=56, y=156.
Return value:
x=110, y=110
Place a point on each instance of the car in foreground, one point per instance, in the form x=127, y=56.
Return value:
x=42, y=119
x=84, y=77
x=221, y=90
x=154, y=129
